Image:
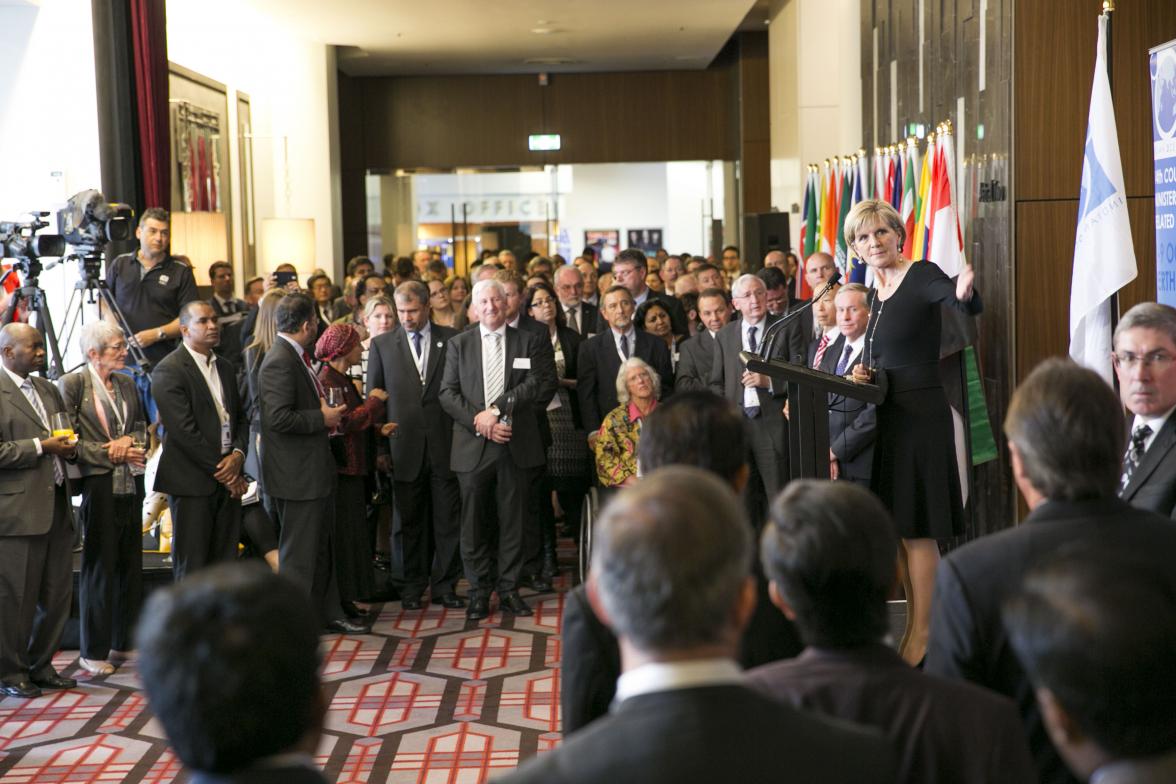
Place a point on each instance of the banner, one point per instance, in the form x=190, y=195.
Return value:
x=1163, y=80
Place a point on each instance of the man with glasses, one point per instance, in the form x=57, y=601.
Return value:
x=629, y=270
x=1145, y=362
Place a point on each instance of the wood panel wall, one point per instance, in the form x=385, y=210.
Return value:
x=1054, y=59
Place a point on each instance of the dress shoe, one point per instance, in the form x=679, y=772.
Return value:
x=353, y=612
x=344, y=626
x=411, y=603
x=52, y=680
x=23, y=689
x=479, y=607
x=511, y=602
x=449, y=600
x=537, y=582
x=96, y=666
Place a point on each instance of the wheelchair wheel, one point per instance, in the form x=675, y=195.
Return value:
x=587, y=520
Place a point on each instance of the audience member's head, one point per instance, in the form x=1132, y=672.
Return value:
x=671, y=270
x=229, y=659
x=777, y=288
x=818, y=268
x=569, y=285
x=629, y=270
x=254, y=288
x=670, y=567
x=853, y=310
x=616, y=306
x=684, y=431
x=1094, y=626
x=714, y=311
x=359, y=266
x=776, y=258
x=589, y=275
x=1065, y=431
x=295, y=317
x=750, y=297
x=709, y=276
x=686, y=283
x=1145, y=358
x=829, y=551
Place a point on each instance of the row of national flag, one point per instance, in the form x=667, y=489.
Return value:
x=920, y=187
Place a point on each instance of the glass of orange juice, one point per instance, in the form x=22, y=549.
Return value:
x=61, y=426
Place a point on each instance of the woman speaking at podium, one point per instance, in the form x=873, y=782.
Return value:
x=915, y=469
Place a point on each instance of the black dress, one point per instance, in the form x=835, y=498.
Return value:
x=915, y=469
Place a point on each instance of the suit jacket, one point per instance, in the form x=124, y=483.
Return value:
x=727, y=370
x=296, y=459
x=192, y=429
x=589, y=319
x=851, y=424
x=710, y=734
x=1153, y=484
x=463, y=396
x=26, y=478
x=941, y=730
x=678, y=322
x=426, y=431
x=77, y=391
x=695, y=356
x=968, y=639
x=231, y=330
x=569, y=346
x=598, y=365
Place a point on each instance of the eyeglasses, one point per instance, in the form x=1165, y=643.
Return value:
x=117, y=347
x=1160, y=360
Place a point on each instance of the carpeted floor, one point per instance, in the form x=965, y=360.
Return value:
x=427, y=697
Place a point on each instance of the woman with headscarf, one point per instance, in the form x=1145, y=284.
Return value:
x=339, y=348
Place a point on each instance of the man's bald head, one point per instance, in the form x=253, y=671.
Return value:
x=22, y=348
x=776, y=258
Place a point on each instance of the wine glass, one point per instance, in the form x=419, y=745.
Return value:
x=508, y=407
x=335, y=397
x=138, y=441
x=61, y=425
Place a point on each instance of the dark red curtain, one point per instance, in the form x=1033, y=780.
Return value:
x=149, y=42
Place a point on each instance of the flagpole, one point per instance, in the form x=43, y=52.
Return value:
x=1108, y=8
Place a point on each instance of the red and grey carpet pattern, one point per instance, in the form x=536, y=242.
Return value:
x=427, y=697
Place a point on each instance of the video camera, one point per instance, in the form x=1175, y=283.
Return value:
x=88, y=222
x=20, y=241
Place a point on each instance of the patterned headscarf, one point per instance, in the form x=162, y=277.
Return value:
x=336, y=341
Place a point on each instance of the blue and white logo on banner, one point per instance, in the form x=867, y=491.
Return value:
x=1163, y=79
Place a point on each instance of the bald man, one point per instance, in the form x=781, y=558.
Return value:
x=36, y=522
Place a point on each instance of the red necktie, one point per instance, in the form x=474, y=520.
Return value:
x=821, y=346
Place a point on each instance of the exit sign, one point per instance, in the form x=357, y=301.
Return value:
x=543, y=142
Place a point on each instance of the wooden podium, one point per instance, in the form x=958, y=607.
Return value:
x=808, y=408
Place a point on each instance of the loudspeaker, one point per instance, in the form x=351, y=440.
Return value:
x=764, y=232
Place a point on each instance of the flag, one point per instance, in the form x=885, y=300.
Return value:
x=845, y=202
x=896, y=188
x=829, y=212
x=908, y=210
x=808, y=233
x=919, y=249
x=1104, y=256
x=946, y=244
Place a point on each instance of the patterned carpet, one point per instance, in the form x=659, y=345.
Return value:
x=427, y=697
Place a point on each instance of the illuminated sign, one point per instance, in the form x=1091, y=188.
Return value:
x=543, y=142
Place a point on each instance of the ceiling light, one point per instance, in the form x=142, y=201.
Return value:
x=542, y=30
x=549, y=61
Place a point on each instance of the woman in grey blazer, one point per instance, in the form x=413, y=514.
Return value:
x=105, y=409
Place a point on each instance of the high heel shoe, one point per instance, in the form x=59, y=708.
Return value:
x=93, y=667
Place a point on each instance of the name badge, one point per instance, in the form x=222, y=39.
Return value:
x=226, y=437
x=522, y=363
x=163, y=280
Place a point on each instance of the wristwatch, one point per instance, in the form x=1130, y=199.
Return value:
x=160, y=334
x=494, y=410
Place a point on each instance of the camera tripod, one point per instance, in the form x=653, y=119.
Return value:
x=31, y=297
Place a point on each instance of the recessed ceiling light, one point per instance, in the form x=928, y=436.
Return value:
x=542, y=30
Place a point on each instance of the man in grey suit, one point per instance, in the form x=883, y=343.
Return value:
x=762, y=405
x=697, y=353
x=851, y=422
x=496, y=379
x=683, y=712
x=297, y=466
x=1065, y=442
x=36, y=522
x=408, y=363
x=1145, y=362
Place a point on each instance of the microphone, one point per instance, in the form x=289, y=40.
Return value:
x=774, y=330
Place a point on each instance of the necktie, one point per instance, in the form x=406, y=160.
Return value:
x=751, y=339
x=39, y=407
x=494, y=369
x=821, y=346
x=574, y=319
x=317, y=384
x=843, y=363
x=416, y=343
x=625, y=345
x=1134, y=454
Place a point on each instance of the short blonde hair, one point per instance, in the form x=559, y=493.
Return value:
x=626, y=366
x=873, y=211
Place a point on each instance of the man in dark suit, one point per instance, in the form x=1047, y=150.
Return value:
x=230, y=663
x=762, y=405
x=600, y=358
x=851, y=422
x=581, y=316
x=206, y=434
x=230, y=314
x=408, y=363
x=683, y=711
x=629, y=270
x=1065, y=444
x=825, y=312
x=1095, y=627
x=297, y=465
x=681, y=432
x=829, y=552
x=495, y=380
x=697, y=353
x=36, y=521
x=1145, y=361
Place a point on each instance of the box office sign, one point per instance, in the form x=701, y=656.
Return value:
x=484, y=209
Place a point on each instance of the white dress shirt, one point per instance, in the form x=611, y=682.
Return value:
x=632, y=336
x=1156, y=424
x=667, y=676
x=750, y=396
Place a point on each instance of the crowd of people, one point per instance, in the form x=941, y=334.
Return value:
x=445, y=427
